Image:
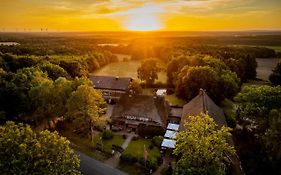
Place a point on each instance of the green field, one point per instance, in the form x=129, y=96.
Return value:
x=276, y=48
x=125, y=69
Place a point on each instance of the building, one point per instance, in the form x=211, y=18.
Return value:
x=112, y=87
x=202, y=103
x=131, y=111
x=175, y=114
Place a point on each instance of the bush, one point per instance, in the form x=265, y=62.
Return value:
x=149, y=163
x=107, y=134
x=150, y=146
x=157, y=140
x=135, y=138
x=150, y=131
x=128, y=158
x=124, y=136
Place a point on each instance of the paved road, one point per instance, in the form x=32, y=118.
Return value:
x=90, y=166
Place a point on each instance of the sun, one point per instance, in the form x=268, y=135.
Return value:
x=143, y=22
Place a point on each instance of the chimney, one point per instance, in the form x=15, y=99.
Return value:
x=201, y=91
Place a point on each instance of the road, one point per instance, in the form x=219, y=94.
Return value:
x=90, y=166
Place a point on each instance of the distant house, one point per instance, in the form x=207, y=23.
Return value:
x=131, y=111
x=112, y=87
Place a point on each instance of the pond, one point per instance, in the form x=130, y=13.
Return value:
x=9, y=43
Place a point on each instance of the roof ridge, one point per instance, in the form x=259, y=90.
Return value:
x=204, y=100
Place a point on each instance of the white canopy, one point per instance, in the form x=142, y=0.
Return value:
x=174, y=127
x=168, y=143
x=170, y=134
x=161, y=92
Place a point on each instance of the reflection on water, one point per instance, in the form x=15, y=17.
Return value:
x=9, y=43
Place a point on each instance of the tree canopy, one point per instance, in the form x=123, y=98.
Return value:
x=259, y=114
x=275, y=77
x=191, y=79
x=23, y=151
x=86, y=108
x=202, y=147
x=148, y=71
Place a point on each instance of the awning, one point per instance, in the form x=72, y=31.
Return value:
x=161, y=92
x=168, y=143
x=174, y=127
x=170, y=134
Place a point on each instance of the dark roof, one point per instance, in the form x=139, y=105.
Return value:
x=156, y=109
x=202, y=103
x=111, y=83
x=176, y=112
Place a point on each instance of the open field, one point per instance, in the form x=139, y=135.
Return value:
x=125, y=69
x=276, y=48
x=265, y=67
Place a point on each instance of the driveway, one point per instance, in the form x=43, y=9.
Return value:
x=90, y=166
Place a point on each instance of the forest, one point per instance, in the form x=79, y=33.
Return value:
x=45, y=79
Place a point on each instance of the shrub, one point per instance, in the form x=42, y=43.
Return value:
x=129, y=158
x=157, y=140
x=124, y=136
x=135, y=138
x=149, y=163
x=150, y=131
x=150, y=146
x=107, y=134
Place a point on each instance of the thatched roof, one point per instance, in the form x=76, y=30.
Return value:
x=155, y=109
x=111, y=83
x=202, y=103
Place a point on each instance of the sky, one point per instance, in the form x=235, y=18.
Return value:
x=143, y=15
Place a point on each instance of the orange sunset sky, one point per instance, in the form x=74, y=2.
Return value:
x=122, y=15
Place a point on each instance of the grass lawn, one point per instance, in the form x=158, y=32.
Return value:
x=86, y=146
x=276, y=48
x=136, y=147
x=148, y=91
x=116, y=140
x=126, y=69
x=174, y=100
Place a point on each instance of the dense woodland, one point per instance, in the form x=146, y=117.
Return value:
x=45, y=79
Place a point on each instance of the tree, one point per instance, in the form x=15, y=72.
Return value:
x=23, y=151
x=256, y=104
x=54, y=71
x=148, y=71
x=16, y=90
x=135, y=87
x=273, y=134
x=259, y=140
x=191, y=79
x=86, y=108
x=275, y=77
x=202, y=147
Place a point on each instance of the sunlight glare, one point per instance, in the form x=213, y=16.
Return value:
x=143, y=22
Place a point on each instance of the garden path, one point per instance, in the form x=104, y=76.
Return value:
x=114, y=160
